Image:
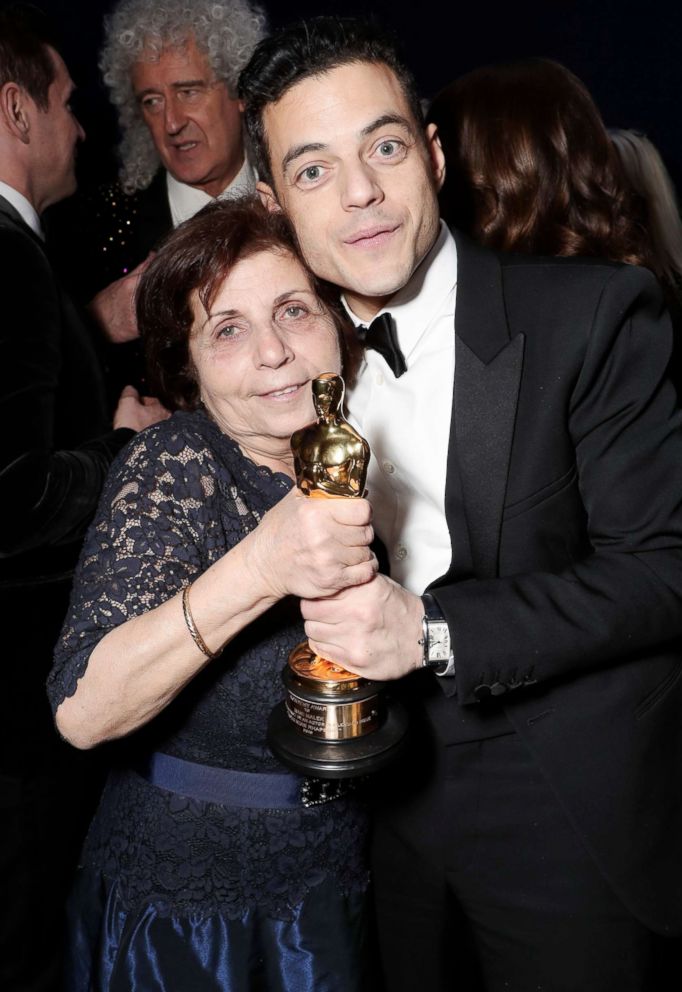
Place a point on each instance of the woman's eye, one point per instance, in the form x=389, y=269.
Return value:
x=294, y=310
x=227, y=331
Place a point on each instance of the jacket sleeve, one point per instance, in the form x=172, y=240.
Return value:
x=622, y=599
x=48, y=495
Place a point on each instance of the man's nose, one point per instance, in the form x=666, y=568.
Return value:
x=361, y=186
x=175, y=117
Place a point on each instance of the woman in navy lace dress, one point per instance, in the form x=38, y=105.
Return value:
x=202, y=868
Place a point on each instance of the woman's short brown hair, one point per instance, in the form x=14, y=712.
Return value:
x=198, y=257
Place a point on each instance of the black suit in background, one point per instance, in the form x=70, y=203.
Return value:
x=557, y=786
x=100, y=235
x=108, y=232
x=55, y=449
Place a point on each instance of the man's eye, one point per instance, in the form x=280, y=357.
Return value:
x=310, y=175
x=151, y=104
x=389, y=148
x=190, y=95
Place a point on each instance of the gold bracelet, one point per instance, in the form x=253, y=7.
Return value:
x=192, y=627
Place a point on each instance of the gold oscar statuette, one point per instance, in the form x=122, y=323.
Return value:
x=333, y=723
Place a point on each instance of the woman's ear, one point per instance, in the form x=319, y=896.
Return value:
x=267, y=197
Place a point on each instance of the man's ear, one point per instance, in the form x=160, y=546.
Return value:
x=14, y=111
x=436, y=155
x=267, y=197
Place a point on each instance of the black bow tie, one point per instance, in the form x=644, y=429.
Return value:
x=381, y=336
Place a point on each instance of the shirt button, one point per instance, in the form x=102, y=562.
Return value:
x=388, y=467
x=401, y=553
x=379, y=378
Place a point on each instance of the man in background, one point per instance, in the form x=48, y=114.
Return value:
x=172, y=71
x=56, y=446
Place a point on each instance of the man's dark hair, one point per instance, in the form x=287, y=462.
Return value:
x=311, y=48
x=25, y=34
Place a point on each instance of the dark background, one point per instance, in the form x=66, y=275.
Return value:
x=628, y=54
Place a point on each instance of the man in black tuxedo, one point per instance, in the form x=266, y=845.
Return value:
x=535, y=840
x=57, y=444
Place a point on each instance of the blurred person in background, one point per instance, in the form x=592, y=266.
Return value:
x=645, y=172
x=171, y=70
x=530, y=167
x=58, y=441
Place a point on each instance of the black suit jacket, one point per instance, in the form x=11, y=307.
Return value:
x=568, y=442
x=99, y=236
x=56, y=445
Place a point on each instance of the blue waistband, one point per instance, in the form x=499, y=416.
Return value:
x=259, y=790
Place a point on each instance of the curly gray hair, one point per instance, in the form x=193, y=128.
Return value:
x=226, y=30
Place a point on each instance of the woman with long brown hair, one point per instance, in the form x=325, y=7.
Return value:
x=530, y=167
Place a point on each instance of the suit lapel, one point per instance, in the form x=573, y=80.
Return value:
x=12, y=214
x=488, y=367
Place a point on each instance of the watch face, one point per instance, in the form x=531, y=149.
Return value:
x=439, y=641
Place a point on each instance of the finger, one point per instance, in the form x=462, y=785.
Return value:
x=323, y=610
x=354, y=537
x=353, y=554
x=356, y=512
x=129, y=391
x=330, y=651
x=366, y=571
x=328, y=607
x=358, y=536
x=353, y=575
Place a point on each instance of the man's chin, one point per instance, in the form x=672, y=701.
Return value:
x=199, y=180
x=379, y=289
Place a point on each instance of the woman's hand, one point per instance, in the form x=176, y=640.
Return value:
x=312, y=547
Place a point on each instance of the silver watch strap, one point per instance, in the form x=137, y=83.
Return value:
x=448, y=670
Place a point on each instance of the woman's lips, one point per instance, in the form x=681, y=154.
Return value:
x=284, y=393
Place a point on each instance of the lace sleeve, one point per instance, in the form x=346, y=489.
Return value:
x=157, y=526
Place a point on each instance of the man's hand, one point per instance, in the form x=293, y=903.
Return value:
x=373, y=629
x=114, y=306
x=137, y=412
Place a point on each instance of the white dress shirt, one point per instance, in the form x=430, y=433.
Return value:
x=407, y=421
x=186, y=201
x=23, y=207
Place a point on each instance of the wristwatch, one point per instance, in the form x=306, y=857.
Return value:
x=435, y=641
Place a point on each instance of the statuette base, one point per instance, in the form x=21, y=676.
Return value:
x=333, y=723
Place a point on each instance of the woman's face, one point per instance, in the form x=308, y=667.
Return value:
x=266, y=337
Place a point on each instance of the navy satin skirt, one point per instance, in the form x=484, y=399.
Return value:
x=322, y=949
